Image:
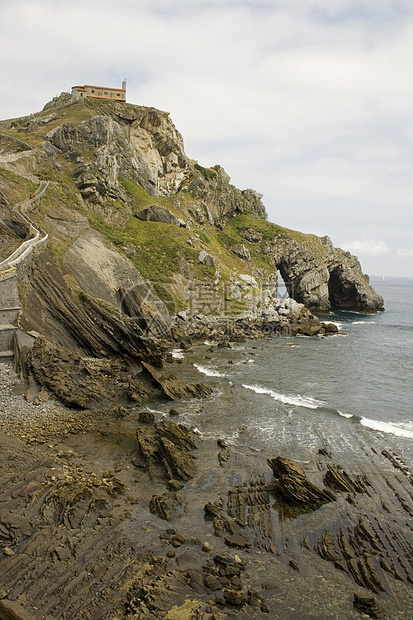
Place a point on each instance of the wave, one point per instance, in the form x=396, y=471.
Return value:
x=209, y=372
x=292, y=399
x=177, y=354
x=398, y=326
x=363, y=322
x=400, y=430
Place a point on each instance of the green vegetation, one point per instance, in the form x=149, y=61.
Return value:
x=162, y=253
x=154, y=247
x=246, y=221
x=61, y=192
x=203, y=236
x=15, y=188
x=140, y=198
x=229, y=237
x=207, y=173
x=173, y=304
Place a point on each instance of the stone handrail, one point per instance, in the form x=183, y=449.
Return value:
x=27, y=146
x=27, y=246
x=8, y=272
x=19, y=252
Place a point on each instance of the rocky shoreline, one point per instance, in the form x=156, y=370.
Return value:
x=133, y=369
x=125, y=513
x=109, y=507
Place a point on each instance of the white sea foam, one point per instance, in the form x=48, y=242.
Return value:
x=177, y=354
x=338, y=335
x=345, y=415
x=209, y=372
x=402, y=429
x=363, y=322
x=292, y=399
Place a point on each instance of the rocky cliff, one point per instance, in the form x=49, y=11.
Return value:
x=141, y=239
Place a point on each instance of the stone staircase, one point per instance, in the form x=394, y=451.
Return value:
x=9, y=312
x=9, y=293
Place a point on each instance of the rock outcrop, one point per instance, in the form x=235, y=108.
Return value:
x=170, y=446
x=148, y=248
x=87, y=325
x=290, y=482
x=89, y=382
x=216, y=199
x=129, y=141
x=156, y=213
x=321, y=276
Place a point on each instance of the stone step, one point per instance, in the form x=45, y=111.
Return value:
x=6, y=356
x=7, y=337
x=9, y=315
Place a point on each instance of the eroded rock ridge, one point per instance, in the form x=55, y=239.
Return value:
x=147, y=248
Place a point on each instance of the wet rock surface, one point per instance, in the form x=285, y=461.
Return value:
x=92, y=382
x=169, y=445
x=107, y=516
x=368, y=606
x=290, y=482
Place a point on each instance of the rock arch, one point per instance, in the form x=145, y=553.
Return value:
x=322, y=277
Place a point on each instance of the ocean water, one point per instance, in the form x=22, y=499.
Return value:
x=305, y=392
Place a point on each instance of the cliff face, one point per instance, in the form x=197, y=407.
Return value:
x=138, y=231
x=142, y=145
x=321, y=276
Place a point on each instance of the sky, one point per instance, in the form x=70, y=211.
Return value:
x=309, y=102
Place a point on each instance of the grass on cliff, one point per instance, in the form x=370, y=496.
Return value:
x=232, y=234
x=75, y=113
x=155, y=248
x=162, y=250
x=15, y=187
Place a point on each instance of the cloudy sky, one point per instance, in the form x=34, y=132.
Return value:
x=309, y=102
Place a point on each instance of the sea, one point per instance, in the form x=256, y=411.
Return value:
x=302, y=393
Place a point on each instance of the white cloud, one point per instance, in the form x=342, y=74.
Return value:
x=366, y=248
x=405, y=253
x=307, y=101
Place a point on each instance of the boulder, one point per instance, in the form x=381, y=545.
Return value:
x=366, y=604
x=156, y=213
x=12, y=610
x=251, y=235
x=170, y=445
x=339, y=480
x=291, y=484
x=175, y=389
x=165, y=506
x=206, y=259
x=241, y=251
x=178, y=463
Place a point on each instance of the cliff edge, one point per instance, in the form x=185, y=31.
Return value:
x=141, y=238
